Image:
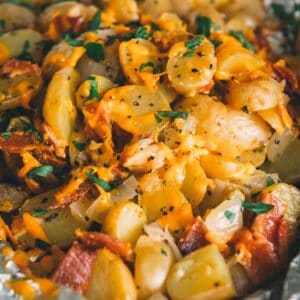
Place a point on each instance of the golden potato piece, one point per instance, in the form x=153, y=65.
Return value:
x=125, y=221
x=110, y=278
x=59, y=109
x=202, y=274
x=152, y=264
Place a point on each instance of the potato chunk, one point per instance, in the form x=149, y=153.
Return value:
x=202, y=274
x=59, y=108
x=110, y=278
x=125, y=221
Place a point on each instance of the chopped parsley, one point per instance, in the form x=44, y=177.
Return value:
x=257, y=207
x=25, y=55
x=41, y=171
x=192, y=45
x=94, y=23
x=216, y=43
x=93, y=88
x=240, y=36
x=173, y=114
x=270, y=181
x=37, y=212
x=230, y=216
x=204, y=25
x=98, y=181
x=68, y=37
x=140, y=33
x=95, y=51
x=42, y=244
x=6, y=135
x=156, y=69
x=110, y=40
x=78, y=145
x=163, y=252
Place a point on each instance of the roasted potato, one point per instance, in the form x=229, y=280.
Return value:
x=203, y=274
x=59, y=108
x=110, y=278
x=152, y=264
x=125, y=221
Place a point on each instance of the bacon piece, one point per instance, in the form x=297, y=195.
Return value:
x=64, y=199
x=16, y=67
x=17, y=142
x=96, y=240
x=193, y=238
x=263, y=250
x=292, y=81
x=75, y=268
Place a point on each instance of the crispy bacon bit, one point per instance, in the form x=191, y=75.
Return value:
x=16, y=67
x=290, y=77
x=18, y=142
x=96, y=240
x=64, y=198
x=193, y=238
x=263, y=250
x=75, y=268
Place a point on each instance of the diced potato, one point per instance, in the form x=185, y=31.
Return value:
x=125, y=221
x=133, y=54
x=59, y=108
x=12, y=44
x=223, y=129
x=167, y=198
x=217, y=167
x=110, y=278
x=156, y=7
x=191, y=74
x=289, y=195
x=152, y=264
x=52, y=222
x=236, y=61
x=255, y=95
x=195, y=183
x=203, y=274
x=157, y=296
x=133, y=108
x=124, y=11
x=226, y=219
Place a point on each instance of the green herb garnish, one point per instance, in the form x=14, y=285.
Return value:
x=42, y=244
x=110, y=40
x=156, y=69
x=98, y=181
x=194, y=43
x=270, y=181
x=173, y=114
x=188, y=54
x=93, y=88
x=216, y=43
x=142, y=33
x=6, y=134
x=37, y=212
x=230, y=216
x=94, y=23
x=41, y=171
x=163, y=252
x=95, y=51
x=25, y=55
x=78, y=145
x=257, y=207
x=68, y=37
x=240, y=36
x=204, y=25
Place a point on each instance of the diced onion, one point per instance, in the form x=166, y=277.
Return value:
x=158, y=234
x=126, y=191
